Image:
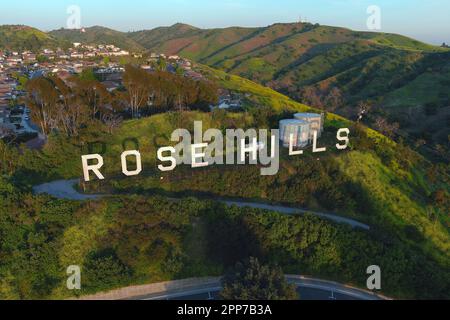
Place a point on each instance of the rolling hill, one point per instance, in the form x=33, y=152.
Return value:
x=378, y=182
x=19, y=38
x=292, y=57
x=133, y=233
x=332, y=68
x=97, y=35
x=329, y=67
x=406, y=81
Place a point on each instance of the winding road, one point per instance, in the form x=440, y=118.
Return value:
x=309, y=288
x=64, y=189
x=208, y=288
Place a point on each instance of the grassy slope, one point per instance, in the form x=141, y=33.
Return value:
x=426, y=88
x=395, y=193
x=291, y=56
x=17, y=37
x=396, y=200
x=287, y=56
x=405, y=43
x=189, y=41
x=398, y=194
x=266, y=96
x=98, y=35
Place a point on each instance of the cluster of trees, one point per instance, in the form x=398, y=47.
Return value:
x=385, y=127
x=129, y=240
x=308, y=245
x=327, y=99
x=20, y=38
x=166, y=91
x=298, y=182
x=115, y=243
x=124, y=241
x=250, y=280
x=68, y=106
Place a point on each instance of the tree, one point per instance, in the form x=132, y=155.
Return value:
x=389, y=129
x=8, y=158
x=136, y=81
x=104, y=270
x=92, y=93
x=253, y=281
x=8, y=287
x=88, y=75
x=72, y=112
x=363, y=109
x=42, y=99
x=8, y=132
x=162, y=64
x=179, y=70
x=334, y=99
x=22, y=79
x=440, y=198
x=312, y=96
x=419, y=143
x=112, y=121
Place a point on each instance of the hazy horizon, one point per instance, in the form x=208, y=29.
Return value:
x=423, y=20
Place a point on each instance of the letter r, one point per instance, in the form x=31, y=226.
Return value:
x=94, y=167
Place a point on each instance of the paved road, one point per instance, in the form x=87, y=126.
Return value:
x=289, y=210
x=64, y=189
x=308, y=289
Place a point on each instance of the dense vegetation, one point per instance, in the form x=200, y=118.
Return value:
x=378, y=183
x=250, y=280
x=132, y=239
x=117, y=234
x=66, y=107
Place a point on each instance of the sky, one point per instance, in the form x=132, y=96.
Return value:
x=426, y=20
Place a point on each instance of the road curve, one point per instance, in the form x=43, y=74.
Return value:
x=292, y=211
x=345, y=290
x=323, y=290
x=208, y=288
x=64, y=189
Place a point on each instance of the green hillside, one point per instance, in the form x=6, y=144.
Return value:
x=361, y=176
x=21, y=38
x=139, y=234
x=159, y=36
x=290, y=57
x=331, y=68
x=303, y=60
x=97, y=35
x=137, y=237
x=374, y=166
